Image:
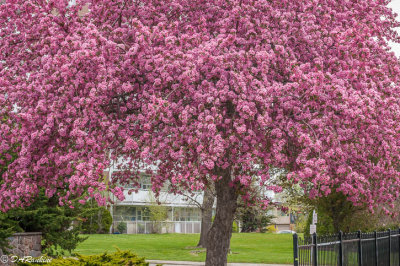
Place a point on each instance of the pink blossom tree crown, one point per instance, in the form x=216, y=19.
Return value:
x=196, y=87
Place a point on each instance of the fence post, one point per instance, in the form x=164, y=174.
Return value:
x=295, y=250
x=341, y=248
x=376, y=248
x=360, y=263
x=390, y=244
x=315, y=255
x=398, y=236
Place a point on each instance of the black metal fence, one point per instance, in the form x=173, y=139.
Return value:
x=364, y=249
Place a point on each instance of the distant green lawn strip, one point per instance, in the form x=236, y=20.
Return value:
x=251, y=248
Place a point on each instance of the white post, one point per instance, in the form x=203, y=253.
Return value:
x=313, y=228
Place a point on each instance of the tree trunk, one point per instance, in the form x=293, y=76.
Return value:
x=219, y=236
x=206, y=216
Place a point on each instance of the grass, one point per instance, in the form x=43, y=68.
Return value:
x=245, y=247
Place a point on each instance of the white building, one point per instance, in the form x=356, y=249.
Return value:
x=182, y=213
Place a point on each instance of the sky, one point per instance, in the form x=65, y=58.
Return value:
x=395, y=4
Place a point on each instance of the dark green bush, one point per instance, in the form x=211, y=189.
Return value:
x=7, y=228
x=96, y=221
x=57, y=223
x=254, y=220
x=122, y=227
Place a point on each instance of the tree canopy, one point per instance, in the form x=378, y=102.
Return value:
x=205, y=91
x=193, y=86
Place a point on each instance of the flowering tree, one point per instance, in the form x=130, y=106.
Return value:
x=207, y=92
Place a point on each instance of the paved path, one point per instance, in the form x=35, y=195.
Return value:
x=193, y=263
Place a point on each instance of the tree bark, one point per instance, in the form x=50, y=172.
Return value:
x=206, y=216
x=219, y=236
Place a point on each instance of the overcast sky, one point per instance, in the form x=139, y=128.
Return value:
x=395, y=4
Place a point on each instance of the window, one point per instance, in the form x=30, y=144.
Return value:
x=124, y=213
x=143, y=214
x=146, y=214
x=130, y=213
x=145, y=182
x=187, y=214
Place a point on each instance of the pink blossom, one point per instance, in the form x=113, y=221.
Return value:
x=130, y=144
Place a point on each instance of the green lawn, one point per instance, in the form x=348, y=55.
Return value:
x=252, y=247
